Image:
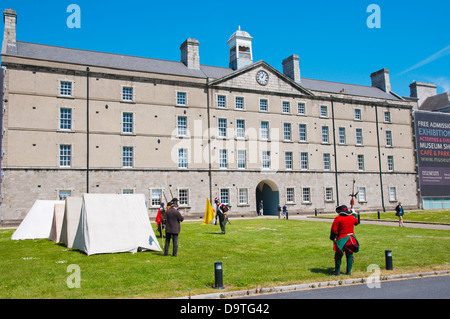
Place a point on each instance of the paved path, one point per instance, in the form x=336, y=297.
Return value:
x=435, y=287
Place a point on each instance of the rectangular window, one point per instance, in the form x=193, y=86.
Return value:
x=323, y=111
x=342, y=138
x=361, y=194
x=263, y=105
x=326, y=162
x=287, y=136
x=301, y=108
x=127, y=191
x=221, y=101
x=182, y=158
x=62, y=195
x=266, y=159
x=325, y=136
x=243, y=196
x=65, y=155
x=127, y=123
x=240, y=128
x=239, y=103
x=288, y=160
x=182, y=125
x=223, y=159
x=65, y=119
x=360, y=162
x=387, y=117
x=183, y=197
x=156, y=197
x=222, y=127
x=329, y=194
x=264, y=130
x=359, y=136
x=181, y=98
x=357, y=114
x=127, y=94
x=390, y=161
x=241, y=158
x=290, y=195
x=127, y=156
x=302, y=131
x=392, y=194
x=388, y=138
x=224, y=195
x=304, y=160
x=306, y=195
x=65, y=88
x=286, y=107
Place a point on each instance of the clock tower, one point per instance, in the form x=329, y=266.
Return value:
x=240, y=44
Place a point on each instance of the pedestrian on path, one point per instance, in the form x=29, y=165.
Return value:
x=399, y=212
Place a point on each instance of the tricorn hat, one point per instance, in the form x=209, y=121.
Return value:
x=343, y=210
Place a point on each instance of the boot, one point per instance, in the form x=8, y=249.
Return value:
x=349, y=264
x=337, y=264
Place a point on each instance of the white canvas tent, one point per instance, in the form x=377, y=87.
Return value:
x=58, y=216
x=71, y=219
x=38, y=222
x=111, y=223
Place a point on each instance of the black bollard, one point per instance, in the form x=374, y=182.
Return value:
x=315, y=212
x=388, y=257
x=359, y=219
x=218, y=275
x=378, y=213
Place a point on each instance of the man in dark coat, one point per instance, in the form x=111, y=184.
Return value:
x=173, y=219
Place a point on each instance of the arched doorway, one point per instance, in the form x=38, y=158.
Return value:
x=267, y=191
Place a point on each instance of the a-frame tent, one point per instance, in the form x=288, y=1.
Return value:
x=112, y=223
x=37, y=224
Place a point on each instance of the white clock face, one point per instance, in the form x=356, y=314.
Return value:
x=262, y=77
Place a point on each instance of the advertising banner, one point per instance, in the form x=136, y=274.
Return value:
x=433, y=152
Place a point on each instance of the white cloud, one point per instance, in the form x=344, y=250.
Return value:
x=445, y=51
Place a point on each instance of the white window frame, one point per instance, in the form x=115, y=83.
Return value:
x=182, y=131
x=342, y=136
x=387, y=117
x=61, y=89
x=124, y=95
x=242, y=196
x=299, y=108
x=304, y=161
x=290, y=192
x=156, y=204
x=266, y=106
x=288, y=162
x=287, y=134
x=265, y=137
x=286, y=107
x=241, y=103
x=126, y=158
x=61, y=119
x=392, y=194
x=182, y=201
x=361, y=142
x=329, y=194
x=223, y=159
x=360, y=162
x=266, y=161
x=222, y=195
x=390, y=163
x=179, y=100
x=300, y=125
x=306, y=195
x=326, y=161
x=240, y=131
x=65, y=160
x=222, y=130
x=357, y=114
x=362, y=194
x=182, y=161
x=389, y=139
x=132, y=123
x=239, y=159
x=323, y=111
x=219, y=102
x=325, y=135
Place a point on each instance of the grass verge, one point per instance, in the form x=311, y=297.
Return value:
x=255, y=253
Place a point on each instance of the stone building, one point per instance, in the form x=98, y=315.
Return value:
x=79, y=121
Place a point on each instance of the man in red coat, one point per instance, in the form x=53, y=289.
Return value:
x=344, y=239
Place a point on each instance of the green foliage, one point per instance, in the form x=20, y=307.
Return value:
x=255, y=253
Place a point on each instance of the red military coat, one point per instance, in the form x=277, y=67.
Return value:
x=342, y=232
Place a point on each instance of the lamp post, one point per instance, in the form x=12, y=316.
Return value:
x=218, y=275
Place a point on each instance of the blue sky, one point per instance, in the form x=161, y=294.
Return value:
x=331, y=37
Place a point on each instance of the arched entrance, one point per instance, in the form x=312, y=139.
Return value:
x=267, y=191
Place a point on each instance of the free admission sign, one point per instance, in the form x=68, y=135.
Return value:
x=433, y=152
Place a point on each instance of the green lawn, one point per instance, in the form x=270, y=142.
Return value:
x=254, y=252
x=428, y=216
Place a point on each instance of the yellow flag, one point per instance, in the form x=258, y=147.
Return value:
x=209, y=213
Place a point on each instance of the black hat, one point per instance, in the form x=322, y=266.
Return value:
x=174, y=199
x=343, y=210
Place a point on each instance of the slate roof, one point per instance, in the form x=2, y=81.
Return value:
x=436, y=102
x=141, y=64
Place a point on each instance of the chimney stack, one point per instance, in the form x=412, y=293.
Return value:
x=291, y=67
x=422, y=91
x=190, y=53
x=9, y=35
x=380, y=79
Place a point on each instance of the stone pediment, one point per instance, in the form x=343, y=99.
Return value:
x=246, y=79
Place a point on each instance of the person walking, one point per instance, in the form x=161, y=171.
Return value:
x=222, y=210
x=260, y=208
x=399, y=212
x=342, y=234
x=285, y=211
x=173, y=219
